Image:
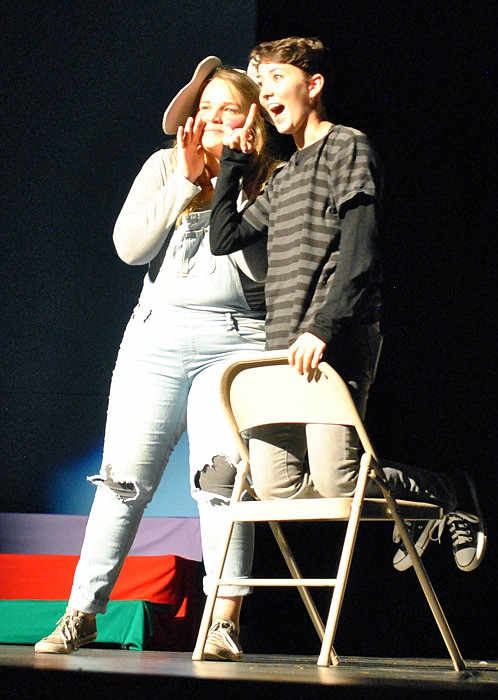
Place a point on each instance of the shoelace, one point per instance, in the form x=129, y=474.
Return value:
x=435, y=536
x=460, y=530
x=439, y=527
x=222, y=630
x=68, y=627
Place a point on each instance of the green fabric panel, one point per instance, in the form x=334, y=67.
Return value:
x=126, y=622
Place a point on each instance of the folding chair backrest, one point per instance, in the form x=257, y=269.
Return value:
x=266, y=390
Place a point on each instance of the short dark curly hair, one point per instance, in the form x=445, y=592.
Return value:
x=307, y=53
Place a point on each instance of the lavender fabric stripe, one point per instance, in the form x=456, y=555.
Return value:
x=38, y=533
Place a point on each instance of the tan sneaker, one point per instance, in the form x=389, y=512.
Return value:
x=222, y=643
x=73, y=631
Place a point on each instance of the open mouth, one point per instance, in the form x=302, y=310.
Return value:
x=275, y=109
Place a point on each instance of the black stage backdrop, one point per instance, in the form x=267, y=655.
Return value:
x=84, y=86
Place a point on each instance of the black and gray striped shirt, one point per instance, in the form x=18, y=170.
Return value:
x=319, y=212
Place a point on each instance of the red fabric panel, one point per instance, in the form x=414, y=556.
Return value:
x=163, y=579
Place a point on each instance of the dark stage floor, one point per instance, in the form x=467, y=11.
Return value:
x=111, y=673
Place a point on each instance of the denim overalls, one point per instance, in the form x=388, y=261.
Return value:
x=189, y=322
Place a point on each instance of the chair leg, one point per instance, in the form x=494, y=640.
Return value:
x=421, y=573
x=344, y=567
x=430, y=595
x=306, y=597
x=198, y=653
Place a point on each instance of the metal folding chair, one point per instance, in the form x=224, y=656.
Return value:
x=266, y=390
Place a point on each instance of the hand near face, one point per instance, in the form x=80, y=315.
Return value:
x=190, y=152
x=306, y=352
x=242, y=139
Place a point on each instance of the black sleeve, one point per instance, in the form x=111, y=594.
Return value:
x=229, y=231
x=354, y=288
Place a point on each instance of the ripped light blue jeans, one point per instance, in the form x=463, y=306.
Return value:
x=158, y=390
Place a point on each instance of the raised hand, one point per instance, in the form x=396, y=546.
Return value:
x=190, y=152
x=242, y=138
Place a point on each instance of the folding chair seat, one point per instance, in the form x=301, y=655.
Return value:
x=265, y=390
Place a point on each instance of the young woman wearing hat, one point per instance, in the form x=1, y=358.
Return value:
x=195, y=313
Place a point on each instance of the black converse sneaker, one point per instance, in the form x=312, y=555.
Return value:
x=467, y=530
x=467, y=527
x=421, y=533
x=469, y=539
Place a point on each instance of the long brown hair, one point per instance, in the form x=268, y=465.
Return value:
x=261, y=163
